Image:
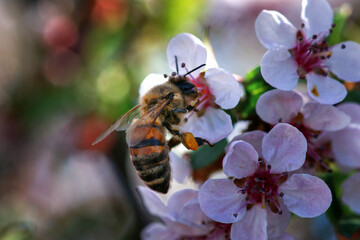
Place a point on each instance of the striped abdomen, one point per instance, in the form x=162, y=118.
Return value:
x=151, y=159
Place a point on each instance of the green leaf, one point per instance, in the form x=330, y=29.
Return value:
x=348, y=226
x=340, y=18
x=353, y=96
x=337, y=209
x=207, y=155
x=255, y=86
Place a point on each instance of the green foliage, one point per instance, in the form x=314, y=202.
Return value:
x=340, y=18
x=353, y=96
x=349, y=225
x=17, y=231
x=179, y=15
x=207, y=155
x=255, y=86
x=344, y=220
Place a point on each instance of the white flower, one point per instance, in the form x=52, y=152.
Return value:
x=259, y=199
x=311, y=118
x=181, y=216
x=305, y=54
x=217, y=87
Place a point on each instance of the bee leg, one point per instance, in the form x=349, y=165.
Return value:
x=173, y=142
x=191, y=92
x=180, y=110
x=192, y=106
x=187, y=139
x=201, y=141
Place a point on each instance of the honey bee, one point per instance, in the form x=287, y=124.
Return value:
x=162, y=107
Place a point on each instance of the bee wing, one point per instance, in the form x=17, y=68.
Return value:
x=141, y=127
x=121, y=124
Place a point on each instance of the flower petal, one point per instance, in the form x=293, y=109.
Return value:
x=254, y=138
x=306, y=195
x=219, y=199
x=224, y=87
x=192, y=215
x=149, y=82
x=252, y=226
x=285, y=236
x=279, y=69
x=157, y=231
x=317, y=16
x=213, y=126
x=345, y=62
x=325, y=90
x=276, y=106
x=324, y=117
x=178, y=199
x=273, y=29
x=180, y=167
x=182, y=229
x=351, y=192
x=189, y=50
x=277, y=223
x=284, y=147
x=240, y=160
x=346, y=146
x=239, y=128
x=152, y=202
x=351, y=109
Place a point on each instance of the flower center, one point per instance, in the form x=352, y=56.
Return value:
x=206, y=98
x=262, y=187
x=310, y=53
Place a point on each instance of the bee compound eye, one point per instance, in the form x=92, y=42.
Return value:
x=170, y=95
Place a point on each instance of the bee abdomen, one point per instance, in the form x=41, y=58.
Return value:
x=154, y=170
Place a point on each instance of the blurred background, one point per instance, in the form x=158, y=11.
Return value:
x=68, y=69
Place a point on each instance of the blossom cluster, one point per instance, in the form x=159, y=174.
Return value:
x=273, y=169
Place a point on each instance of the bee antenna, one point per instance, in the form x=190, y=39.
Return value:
x=177, y=65
x=202, y=65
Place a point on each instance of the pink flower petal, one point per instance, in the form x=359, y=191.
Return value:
x=306, y=195
x=351, y=192
x=157, y=231
x=182, y=229
x=239, y=128
x=192, y=215
x=189, y=50
x=345, y=62
x=178, y=199
x=278, y=106
x=224, y=87
x=324, y=117
x=151, y=81
x=285, y=236
x=180, y=167
x=277, y=223
x=152, y=202
x=213, y=126
x=279, y=69
x=219, y=199
x=284, y=147
x=252, y=226
x=273, y=29
x=346, y=146
x=317, y=16
x=325, y=90
x=240, y=160
x=254, y=138
x=351, y=109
